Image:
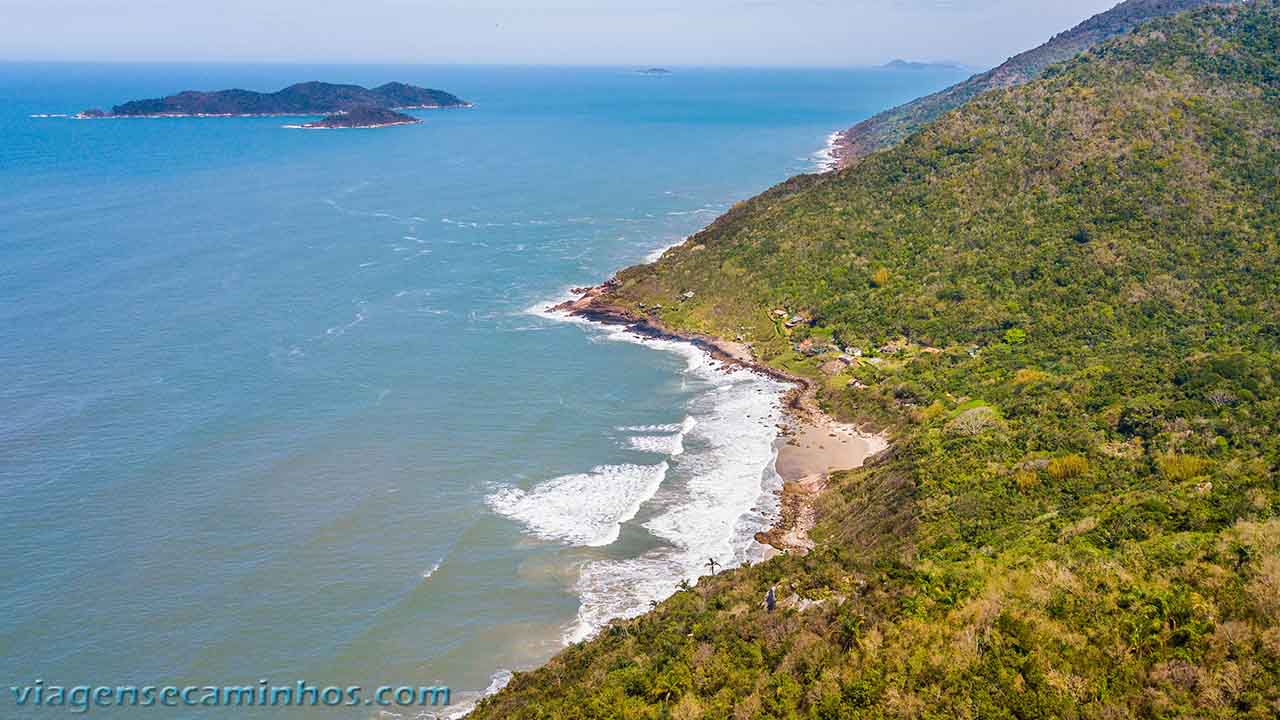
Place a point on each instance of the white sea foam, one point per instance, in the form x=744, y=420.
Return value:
x=669, y=428
x=610, y=589
x=737, y=430
x=460, y=223
x=342, y=329
x=657, y=254
x=497, y=681
x=585, y=509
x=463, y=704
x=825, y=159
x=717, y=498
x=722, y=492
x=704, y=210
x=670, y=445
x=543, y=309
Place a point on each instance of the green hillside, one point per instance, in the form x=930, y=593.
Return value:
x=1066, y=296
x=886, y=129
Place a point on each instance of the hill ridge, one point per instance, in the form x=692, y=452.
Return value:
x=890, y=127
x=1063, y=302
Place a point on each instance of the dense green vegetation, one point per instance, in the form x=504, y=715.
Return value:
x=1067, y=300
x=308, y=98
x=892, y=126
x=363, y=117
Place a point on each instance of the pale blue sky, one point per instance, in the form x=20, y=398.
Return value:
x=624, y=32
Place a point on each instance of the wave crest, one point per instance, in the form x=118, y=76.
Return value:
x=585, y=509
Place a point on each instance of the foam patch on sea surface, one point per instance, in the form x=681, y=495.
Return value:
x=680, y=427
x=669, y=443
x=585, y=509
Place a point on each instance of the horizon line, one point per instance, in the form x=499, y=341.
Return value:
x=413, y=63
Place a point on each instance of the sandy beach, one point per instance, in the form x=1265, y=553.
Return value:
x=822, y=446
x=810, y=449
x=812, y=444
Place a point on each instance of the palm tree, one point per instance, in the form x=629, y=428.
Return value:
x=713, y=565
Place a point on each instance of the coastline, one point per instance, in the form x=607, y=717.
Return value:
x=829, y=158
x=812, y=447
x=811, y=443
x=840, y=152
x=536, y=247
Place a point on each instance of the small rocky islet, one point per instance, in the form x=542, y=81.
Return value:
x=362, y=118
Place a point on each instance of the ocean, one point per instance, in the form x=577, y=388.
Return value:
x=282, y=404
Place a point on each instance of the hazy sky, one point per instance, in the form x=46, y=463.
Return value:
x=656, y=32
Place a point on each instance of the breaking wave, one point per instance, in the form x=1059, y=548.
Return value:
x=718, y=494
x=585, y=509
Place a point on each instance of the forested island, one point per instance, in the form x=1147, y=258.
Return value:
x=1061, y=302
x=309, y=98
x=362, y=118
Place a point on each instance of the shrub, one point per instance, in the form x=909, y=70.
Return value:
x=1141, y=417
x=1026, y=479
x=1178, y=468
x=1067, y=466
x=909, y=393
x=687, y=709
x=1027, y=376
x=1264, y=590
x=881, y=278
x=974, y=421
x=935, y=409
x=1015, y=336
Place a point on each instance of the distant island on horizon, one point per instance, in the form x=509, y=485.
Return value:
x=900, y=64
x=347, y=103
x=654, y=71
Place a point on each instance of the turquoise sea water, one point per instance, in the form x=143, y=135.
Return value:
x=280, y=403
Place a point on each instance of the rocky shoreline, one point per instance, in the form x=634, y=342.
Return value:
x=849, y=146
x=804, y=459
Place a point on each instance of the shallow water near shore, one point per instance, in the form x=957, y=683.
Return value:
x=284, y=405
